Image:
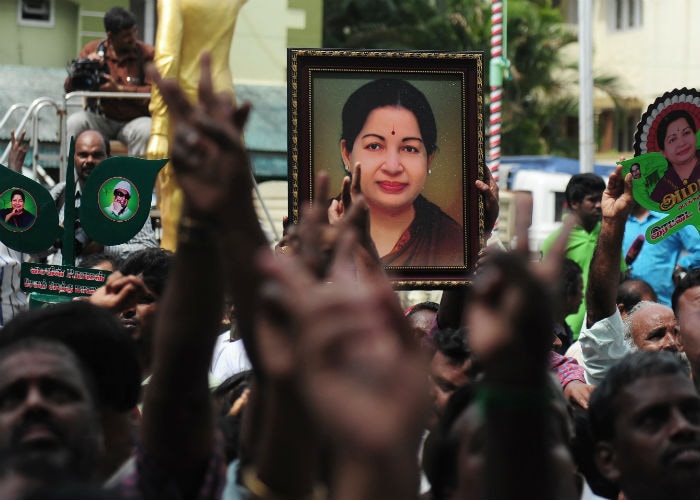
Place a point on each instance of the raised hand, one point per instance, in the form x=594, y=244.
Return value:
x=617, y=198
x=315, y=236
x=208, y=153
x=489, y=190
x=18, y=151
x=354, y=354
x=349, y=192
x=120, y=292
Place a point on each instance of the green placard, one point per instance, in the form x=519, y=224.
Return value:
x=682, y=207
x=115, y=205
x=65, y=281
x=116, y=201
x=666, y=142
x=28, y=215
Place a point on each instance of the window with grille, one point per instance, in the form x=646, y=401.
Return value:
x=35, y=12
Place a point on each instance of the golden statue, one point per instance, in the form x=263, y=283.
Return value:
x=186, y=28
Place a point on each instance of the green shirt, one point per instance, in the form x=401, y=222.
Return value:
x=580, y=249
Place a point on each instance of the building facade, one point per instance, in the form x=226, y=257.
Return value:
x=649, y=47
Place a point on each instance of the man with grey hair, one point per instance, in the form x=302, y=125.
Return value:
x=605, y=339
x=650, y=326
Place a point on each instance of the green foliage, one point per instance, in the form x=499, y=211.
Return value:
x=537, y=101
x=397, y=24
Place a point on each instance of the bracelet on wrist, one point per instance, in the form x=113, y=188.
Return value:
x=260, y=491
x=193, y=231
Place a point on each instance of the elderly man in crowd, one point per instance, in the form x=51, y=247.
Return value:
x=648, y=326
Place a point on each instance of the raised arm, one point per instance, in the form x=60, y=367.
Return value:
x=604, y=274
x=355, y=362
x=452, y=300
x=18, y=152
x=212, y=167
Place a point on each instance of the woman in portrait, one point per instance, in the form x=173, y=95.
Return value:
x=16, y=216
x=676, y=138
x=389, y=129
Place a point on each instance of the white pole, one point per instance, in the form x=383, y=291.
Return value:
x=149, y=21
x=585, y=107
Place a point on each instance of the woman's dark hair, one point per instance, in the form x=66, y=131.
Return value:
x=388, y=92
x=19, y=192
x=674, y=115
x=422, y=306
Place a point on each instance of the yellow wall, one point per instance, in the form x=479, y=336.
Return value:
x=265, y=29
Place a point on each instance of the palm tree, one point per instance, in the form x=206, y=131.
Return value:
x=538, y=100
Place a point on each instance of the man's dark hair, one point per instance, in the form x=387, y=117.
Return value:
x=46, y=468
x=118, y=19
x=581, y=185
x=630, y=293
x=11, y=346
x=634, y=366
x=571, y=272
x=153, y=264
x=98, y=339
x=452, y=344
x=93, y=259
x=690, y=280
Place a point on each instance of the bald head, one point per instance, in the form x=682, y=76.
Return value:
x=90, y=149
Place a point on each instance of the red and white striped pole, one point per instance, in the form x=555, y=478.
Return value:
x=496, y=87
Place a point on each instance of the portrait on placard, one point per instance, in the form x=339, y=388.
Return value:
x=413, y=124
x=19, y=209
x=666, y=167
x=119, y=199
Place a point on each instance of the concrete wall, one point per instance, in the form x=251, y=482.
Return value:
x=659, y=56
x=55, y=45
x=48, y=46
x=264, y=30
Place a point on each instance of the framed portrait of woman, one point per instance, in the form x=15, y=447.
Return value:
x=413, y=121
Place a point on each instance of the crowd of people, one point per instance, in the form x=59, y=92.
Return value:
x=324, y=386
x=229, y=369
